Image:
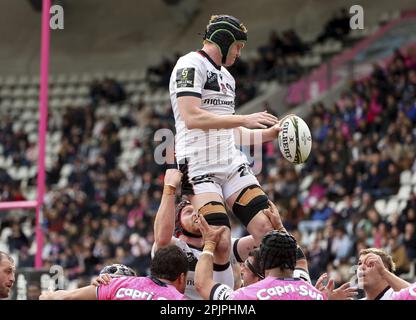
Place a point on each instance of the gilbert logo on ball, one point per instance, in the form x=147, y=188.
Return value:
x=295, y=140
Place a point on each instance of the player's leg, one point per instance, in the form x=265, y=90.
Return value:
x=247, y=200
x=211, y=206
x=205, y=193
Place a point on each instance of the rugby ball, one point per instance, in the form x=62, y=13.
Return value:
x=295, y=139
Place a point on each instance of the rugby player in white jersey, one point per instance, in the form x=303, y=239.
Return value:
x=376, y=277
x=215, y=173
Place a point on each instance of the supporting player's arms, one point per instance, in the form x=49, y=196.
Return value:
x=85, y=293
x=165, y=217
x=247, y=243
x=197, y=118
x=204, y=273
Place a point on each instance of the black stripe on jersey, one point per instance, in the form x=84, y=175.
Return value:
x=188, y=94
x=202, y=52
x=217, y=267
x=235, y=250
x=211, y=294
x=381, y=294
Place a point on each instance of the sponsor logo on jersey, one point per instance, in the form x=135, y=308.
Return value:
x=185, y=78
x=212, y=82
x=135, y=294
x=218, y=102
x=301, y=291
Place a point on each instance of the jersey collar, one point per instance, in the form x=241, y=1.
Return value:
x=203, y=53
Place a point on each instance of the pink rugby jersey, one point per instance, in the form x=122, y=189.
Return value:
x=138, y=288
x=271, y=288
x=408, y=293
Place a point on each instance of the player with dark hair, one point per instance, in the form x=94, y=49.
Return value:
x=250, y=269
x=278, y=260
x=7, y=274
x=167, y=281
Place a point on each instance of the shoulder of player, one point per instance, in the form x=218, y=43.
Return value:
x=191, y=59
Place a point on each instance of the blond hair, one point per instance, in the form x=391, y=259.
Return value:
x=386, y=258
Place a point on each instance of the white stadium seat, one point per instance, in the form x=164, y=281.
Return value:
x=404, y=192
x=380, y=206
x=392, y=206
x=406, y=177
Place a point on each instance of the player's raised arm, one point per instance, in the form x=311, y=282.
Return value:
x=204, y=282
x=374, y=261
x=165, y=218
x=85, y=293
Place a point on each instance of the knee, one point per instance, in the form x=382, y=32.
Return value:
x=223, y=249
x=249, y=203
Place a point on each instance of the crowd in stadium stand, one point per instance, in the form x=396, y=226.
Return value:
x=105, y=215
x=361, y=145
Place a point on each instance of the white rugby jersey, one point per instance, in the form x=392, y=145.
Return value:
x=222, y=274
x=386, y=294
x=196, y=74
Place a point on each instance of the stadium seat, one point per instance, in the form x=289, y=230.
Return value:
x=10, y=81
x=392, y=206
x=32, y=92
x=413, y=181
x=70, y=91
x=23, y=80
x=404, y=192
x=22, y=173
x=33, y=171
x=406, y=177
x=380, y=206
x=6, y=92
x=19, y=93
x=73, y=79
x=66, y=170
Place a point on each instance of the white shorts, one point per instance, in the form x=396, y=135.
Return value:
x=218, y=178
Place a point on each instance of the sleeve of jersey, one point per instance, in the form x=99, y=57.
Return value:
x=189, y=78
x=220, y=292
x=103, y=292
x=408, y=293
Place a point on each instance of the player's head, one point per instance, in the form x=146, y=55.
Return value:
x=170, y=263
x=251, y=271
x=228, y=34
x=185, y=220
x=278, y=250
x=118, y=270
x=369, y=277
x=7, y=274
